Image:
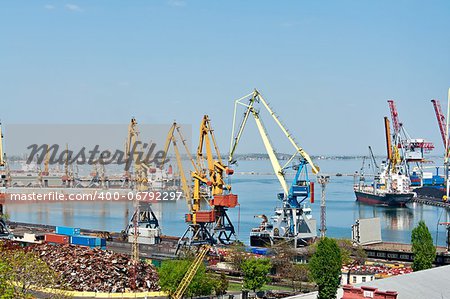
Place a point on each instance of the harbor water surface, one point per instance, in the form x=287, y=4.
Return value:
x=257, y=188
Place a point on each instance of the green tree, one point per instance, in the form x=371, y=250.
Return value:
x=298, y=274
x=172, y=272
x=6, y=289
x=26, y=271
x=237, y=255
x=422, y=247
x=221, y=285
x=325, y=267
x=255, y=273
x=351, y=253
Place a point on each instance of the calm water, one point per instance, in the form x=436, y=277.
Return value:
x=257, y=195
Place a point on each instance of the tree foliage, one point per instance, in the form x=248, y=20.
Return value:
x=172, y=272
x=6, y=289
x=237, y=255
x=22, y=271
x=255, y=273
x=221, y=285
x=422, y=247
x=351, y=253
x=325, y=267
x=285, y=266
x=296, y=274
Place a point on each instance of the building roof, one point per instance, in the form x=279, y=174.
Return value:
x=431, y=284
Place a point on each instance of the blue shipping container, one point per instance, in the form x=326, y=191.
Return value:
x=83, y=240
x=427, y=182
x=88, y=241
x=261, y=251
x=99, y=242
x=69, y=231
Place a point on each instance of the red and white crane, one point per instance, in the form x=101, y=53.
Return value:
x=394, y=117
x=441, y=121
x=412, y=149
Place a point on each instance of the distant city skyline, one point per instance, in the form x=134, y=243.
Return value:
x=327, y=67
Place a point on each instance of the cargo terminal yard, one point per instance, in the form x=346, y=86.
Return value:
x=231, y=150
x=127, y=261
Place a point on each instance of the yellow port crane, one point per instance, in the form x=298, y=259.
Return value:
x=46, y=162
x=172, y=139
x=392, y=151
x=132, y=145
x=210, y=198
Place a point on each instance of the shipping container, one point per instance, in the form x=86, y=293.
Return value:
x=83, y=240
x=427, y=182
x=99, y=242
x=260, y=251
x=88, y=241
x=57, y=239
x=70, y=231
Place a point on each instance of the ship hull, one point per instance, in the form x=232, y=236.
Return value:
x=435, y=192
x=389, y=199
x=264, y=240
x=260, y=241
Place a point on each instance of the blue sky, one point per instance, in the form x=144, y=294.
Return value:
x=327, y=67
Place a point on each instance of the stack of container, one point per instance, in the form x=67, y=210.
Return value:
x=71, y=235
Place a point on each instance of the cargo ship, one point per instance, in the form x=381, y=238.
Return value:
x=388, y=188
x=368, y=196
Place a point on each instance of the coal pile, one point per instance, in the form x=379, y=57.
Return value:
x=96, y=270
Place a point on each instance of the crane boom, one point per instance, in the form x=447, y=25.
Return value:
x=171, y=139
x=315, y=169
x=441, y=120
x=190, y=273
x=256, y=97
x=2, y=160
x=235, y=140
x=394, y=116
x=132, y=152
x=387, y=129
x=446, y=134
x=271, y=152
x=373, y=157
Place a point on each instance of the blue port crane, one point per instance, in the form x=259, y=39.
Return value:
x=301, y=186
x=295, y=222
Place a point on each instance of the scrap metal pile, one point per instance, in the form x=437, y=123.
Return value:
x=86, y=269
